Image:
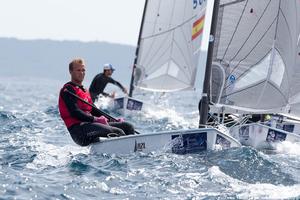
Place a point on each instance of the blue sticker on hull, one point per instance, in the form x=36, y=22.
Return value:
x=189, y=143
x=119, y=103
x=289, y=127
x=275, y=136
x=134, y=104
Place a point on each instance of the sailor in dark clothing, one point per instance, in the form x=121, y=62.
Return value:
x=100, y=81
x=85, y=123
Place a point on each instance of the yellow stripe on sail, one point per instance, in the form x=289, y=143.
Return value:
x=198, y=27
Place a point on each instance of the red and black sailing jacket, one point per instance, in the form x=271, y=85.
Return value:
x=72, y=110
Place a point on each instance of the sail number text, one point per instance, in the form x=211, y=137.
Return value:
x=197, y=3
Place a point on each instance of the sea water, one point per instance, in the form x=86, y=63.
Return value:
x=39, y=160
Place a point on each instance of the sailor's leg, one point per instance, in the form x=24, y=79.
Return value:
x=90, y=132
x=125, y=126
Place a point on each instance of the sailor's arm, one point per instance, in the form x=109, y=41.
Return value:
x=119, y=85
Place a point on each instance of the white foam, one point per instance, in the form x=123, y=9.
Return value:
x=104, y=102
x=289, y=148
x=175, y=118
x=51, y=155
x=253, y=191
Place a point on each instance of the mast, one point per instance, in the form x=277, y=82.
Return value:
x=137, y=50
x=204, y=102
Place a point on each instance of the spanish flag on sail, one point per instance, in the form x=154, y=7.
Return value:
x=198, y=27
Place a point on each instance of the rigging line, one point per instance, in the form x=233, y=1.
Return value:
x=250, y=34
x=245, y=57
x=237, y=25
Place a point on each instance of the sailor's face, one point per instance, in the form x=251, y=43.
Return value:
x=108, y=72
x=78, y=72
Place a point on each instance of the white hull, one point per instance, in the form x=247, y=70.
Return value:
x=262, y=137
x=179, y=142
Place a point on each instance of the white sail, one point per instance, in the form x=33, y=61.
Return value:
x=170, y=42
x=256, y=63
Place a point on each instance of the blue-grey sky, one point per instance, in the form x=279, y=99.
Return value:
x=116, y=21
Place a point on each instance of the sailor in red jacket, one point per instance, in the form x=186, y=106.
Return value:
x=84, y=122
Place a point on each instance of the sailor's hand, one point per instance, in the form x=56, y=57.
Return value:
x=121, y=119
x=101, y=120
x=112, y=95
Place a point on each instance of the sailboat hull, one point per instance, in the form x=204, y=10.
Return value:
x=262, y=137
x=178, y=142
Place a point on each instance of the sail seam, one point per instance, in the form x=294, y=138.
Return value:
x=175, y=27
x=246, y=71
x=188, y=47
x=186, y=61
x=253, y=85
x=235, y=30
x=252, y=48
x=271, y=57
x=154, y=27
x=147, y=63
x=157, y=58
x=250, y=34
x=290, y=32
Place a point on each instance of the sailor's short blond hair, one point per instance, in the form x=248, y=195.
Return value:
x=76, y=60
